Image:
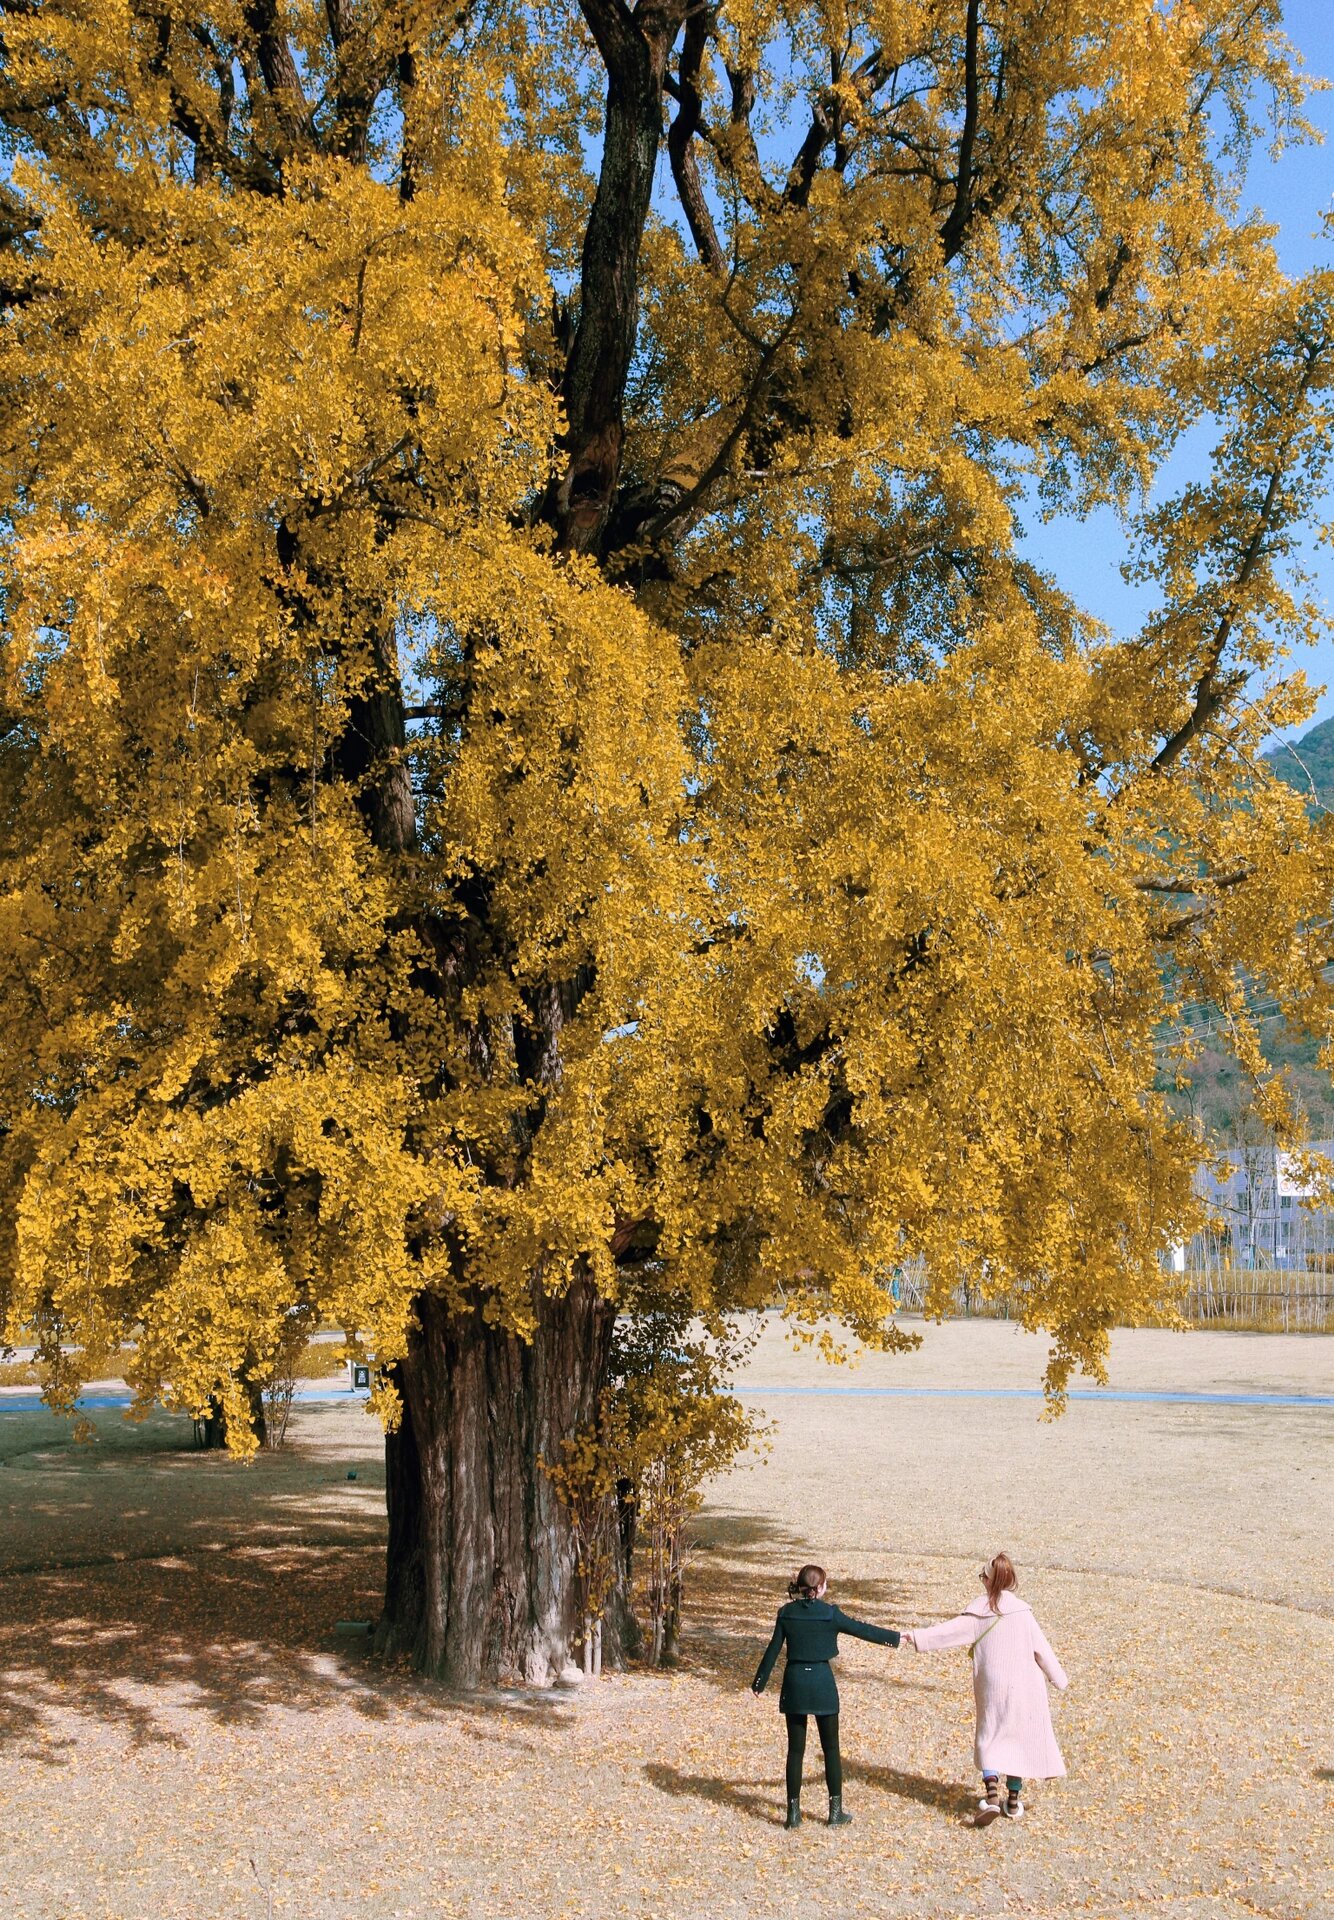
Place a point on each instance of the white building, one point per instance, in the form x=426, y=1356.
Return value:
x=1258, y=1195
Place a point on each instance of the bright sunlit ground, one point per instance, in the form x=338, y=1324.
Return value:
x=182, y=1734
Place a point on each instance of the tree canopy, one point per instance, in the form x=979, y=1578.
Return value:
x=533, y=760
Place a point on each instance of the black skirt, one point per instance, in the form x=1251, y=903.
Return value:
x=808, y=1688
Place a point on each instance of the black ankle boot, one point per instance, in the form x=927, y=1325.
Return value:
x=793, y=1815
x=837, y=1817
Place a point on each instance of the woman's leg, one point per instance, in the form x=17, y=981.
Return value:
x=1014, y=1806
x=796, y=1753
x=833, y=1767
x=827, y=1727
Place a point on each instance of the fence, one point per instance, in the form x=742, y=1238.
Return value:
x=909, y=1287
x=1267, y=1259
x=1222, y=1295
x=1216, y=1293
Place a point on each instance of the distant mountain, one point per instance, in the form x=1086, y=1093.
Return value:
x=1216, y=1090
x=1308, y=763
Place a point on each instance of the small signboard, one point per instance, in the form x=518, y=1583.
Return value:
x=361, y=1375
x=1292, y=1184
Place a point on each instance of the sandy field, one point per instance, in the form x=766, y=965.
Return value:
x=184, y=1734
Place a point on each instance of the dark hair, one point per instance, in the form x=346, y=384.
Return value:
x=807, y=1583
x=1000, y=1577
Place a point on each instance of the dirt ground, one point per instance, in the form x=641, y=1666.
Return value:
x=183, y=1733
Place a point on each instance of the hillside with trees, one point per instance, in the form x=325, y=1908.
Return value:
x=1218, y=1090
x=1308, y=764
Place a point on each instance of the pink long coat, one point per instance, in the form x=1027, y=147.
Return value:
x=1010, y=1657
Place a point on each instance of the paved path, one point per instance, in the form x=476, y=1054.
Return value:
x=24, y=1400
x=21, y=1400
x=1075, y=1393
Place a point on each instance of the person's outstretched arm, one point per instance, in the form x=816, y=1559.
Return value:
x=1047, y=1660
x=766, y=1666
x=961, y=1631
x=862, y=1630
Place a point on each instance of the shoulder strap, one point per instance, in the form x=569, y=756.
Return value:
x=985, y=1631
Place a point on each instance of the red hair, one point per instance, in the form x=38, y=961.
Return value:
x=1000, y=1577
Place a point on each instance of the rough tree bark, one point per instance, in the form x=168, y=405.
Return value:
x=481, y=1572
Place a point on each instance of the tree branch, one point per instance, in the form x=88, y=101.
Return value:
x=1193, y=883
x=801, y=174
x=681, y=149
x=668, y=510
x=737, y=148
x=1212, y=690
x=635, y=49
x=281, y=78
x=339, y=15
x=956, y=226
x=618, y=39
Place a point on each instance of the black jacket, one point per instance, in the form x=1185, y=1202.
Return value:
x=810, y=1629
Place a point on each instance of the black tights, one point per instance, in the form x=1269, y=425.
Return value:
x=826, y=1725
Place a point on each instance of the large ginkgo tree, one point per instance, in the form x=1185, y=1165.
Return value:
x=539, y=779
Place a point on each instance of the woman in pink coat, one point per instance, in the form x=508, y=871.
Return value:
x=1010, y=1657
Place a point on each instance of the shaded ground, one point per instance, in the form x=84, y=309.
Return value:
x=183, y=1733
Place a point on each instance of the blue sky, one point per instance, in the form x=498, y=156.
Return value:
x=1292, y=191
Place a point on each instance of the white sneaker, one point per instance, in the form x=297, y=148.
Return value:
x=1012, y=1807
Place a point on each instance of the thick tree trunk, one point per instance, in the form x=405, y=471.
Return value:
x=211, y=1431
x=481, y=1583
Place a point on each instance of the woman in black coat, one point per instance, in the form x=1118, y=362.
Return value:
x=810, y=1625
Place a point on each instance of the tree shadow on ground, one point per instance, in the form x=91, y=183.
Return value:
x=144, y=1585
x=147, y=1646
x=150, y=1585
